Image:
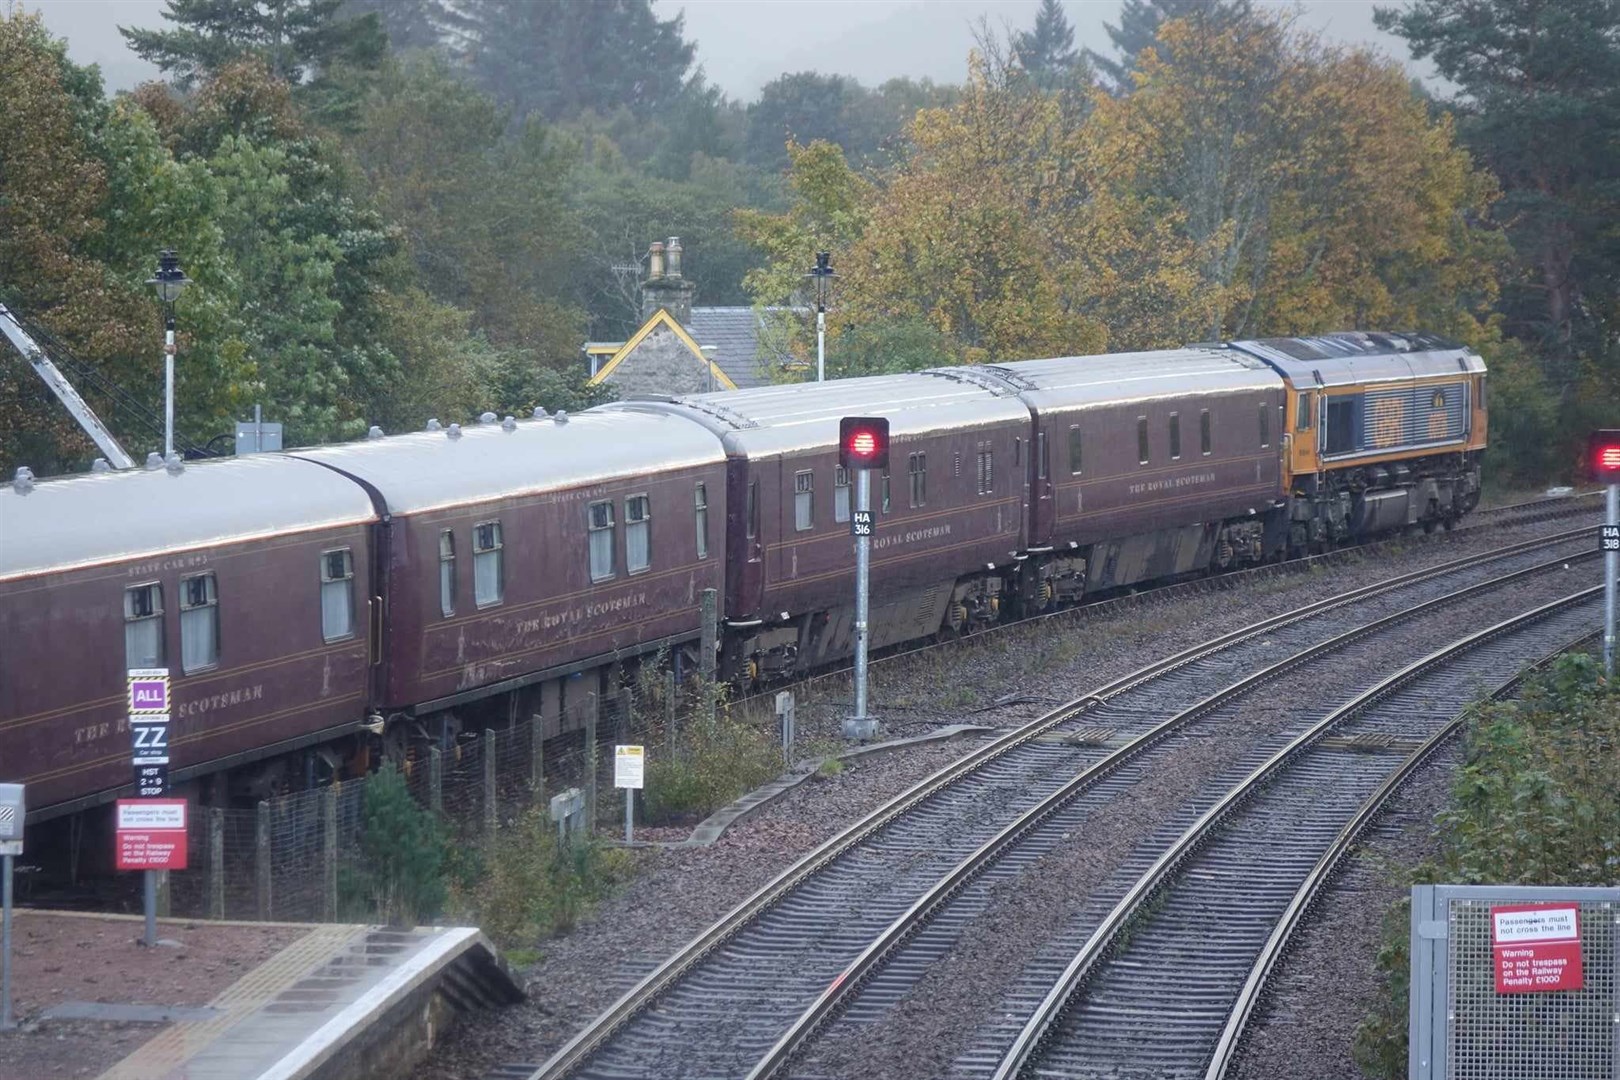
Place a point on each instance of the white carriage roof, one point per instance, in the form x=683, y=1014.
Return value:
x=1075, y=382
x=429, y=470
x=769, y=420
x=1355, y=358
x=97, y=518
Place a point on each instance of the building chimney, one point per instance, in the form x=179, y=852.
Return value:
x=655, y=261
x=674, y=249
x=663, y=288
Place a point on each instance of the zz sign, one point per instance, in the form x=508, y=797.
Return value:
x=150, y=738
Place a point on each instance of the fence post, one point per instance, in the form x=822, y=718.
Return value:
x=537, y=757
x=590, y=766
x=261, y=859
x=709, y=637
x=669, y=709
x=329, y=802
x=435, y=780
x=491, y=814
x=216, y=862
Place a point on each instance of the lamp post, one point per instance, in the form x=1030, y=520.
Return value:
x=822, y=272
x=168, y=281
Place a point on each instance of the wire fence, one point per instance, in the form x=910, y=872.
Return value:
x=292, y=857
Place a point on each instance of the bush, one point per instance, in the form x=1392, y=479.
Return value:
x=1532, y=804
x=715, y=764
x=533, y=889
x=400, y=879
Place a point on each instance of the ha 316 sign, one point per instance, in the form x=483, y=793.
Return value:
x=1536, y=947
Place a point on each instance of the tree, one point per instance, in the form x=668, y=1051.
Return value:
x=294, y=38
x=409, y=24
x=403, y=853
x=1138, y=29
x=565, y=57
x=1047, y=52
x=1540, y=103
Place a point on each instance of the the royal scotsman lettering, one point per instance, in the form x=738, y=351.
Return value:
x=223, y=700
x=1170, y=483
x=583, y=613
x=910, y=536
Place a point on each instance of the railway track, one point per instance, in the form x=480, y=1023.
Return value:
x=746, y=994
x=1167, y=976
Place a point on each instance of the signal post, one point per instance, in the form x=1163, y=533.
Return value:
x=863, y=445
x=1603, y=455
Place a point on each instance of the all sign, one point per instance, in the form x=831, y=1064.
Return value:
x=151, y=834
x=148, y=690
x=1536, y=948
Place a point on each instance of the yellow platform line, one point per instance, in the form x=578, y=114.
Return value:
x=164, y=1056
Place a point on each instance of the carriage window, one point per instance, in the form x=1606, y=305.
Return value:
x=447, y=572
x=1203, y=429
x=199, y=622
x=885, y=492
x=917, y=467
x=337, y=594
x=1141, y=440
x=1040, y=455
x=804, y=493
x=700, y=504
x=1018, y=452
x=1265, y=425
x=753, y=509
x=601, y=529
x=1302, y=418
x=637, y=533
x=1175, y=437
x=489, y=577
x=841, y=494
x=143, y=626
x=1074, y=450
x=986, y=478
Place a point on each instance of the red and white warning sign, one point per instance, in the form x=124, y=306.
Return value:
x=1536, y=947
x=151, y=834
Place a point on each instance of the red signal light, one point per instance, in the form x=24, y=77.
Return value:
x=1603, y=455
x=863, y=442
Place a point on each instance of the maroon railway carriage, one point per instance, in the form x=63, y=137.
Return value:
x=526, y=559
x=950, y=511
x=248, y=579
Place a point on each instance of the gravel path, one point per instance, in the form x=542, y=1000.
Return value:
x=680, y=891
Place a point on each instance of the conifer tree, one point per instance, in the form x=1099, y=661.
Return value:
x=294, y=38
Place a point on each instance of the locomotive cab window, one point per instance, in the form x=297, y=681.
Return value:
x=199, y=622
x=1203, y=431
x=337, y=594
x=489, y=575
x=1302, y=413
x=841, y=493
x=700, y=510
x=804, y=508
x=143, y=626
x=1175, y=437
x=1075, y=460
x=637, y=534
x=601, y=530
x=1141, y=440
x=447, y=573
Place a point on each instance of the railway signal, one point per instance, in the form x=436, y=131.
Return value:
x=863, y=445
x=1603, y=458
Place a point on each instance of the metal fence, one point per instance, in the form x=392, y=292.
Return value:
x=289, y=857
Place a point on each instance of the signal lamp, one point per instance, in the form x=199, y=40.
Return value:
x=1603, y=455
x=863, y=442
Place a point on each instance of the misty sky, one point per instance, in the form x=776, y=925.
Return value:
x=743, y=44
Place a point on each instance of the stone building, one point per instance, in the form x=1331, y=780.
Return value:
x=679, y=348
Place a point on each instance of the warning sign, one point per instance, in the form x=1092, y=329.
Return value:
x=1536, y=947
x=151, y=834
x=628, y=766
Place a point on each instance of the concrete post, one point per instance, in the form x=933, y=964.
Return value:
x=590, y=768
x=435, y=780
x=537, y=757
x=216, y=862
x=491, y=807
x=261, y=860
x=329, y=853
x=669, y=710
x=710, y=637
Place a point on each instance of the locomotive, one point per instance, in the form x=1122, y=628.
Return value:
x=321, y=606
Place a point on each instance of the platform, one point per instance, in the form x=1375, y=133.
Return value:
x=356, y=1002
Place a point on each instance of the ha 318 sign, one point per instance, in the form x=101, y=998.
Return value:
x=1536, y=948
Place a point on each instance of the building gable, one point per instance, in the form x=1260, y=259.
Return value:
x=662, y=358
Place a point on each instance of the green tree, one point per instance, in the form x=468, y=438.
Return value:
x=402, y=851
x=1047, y=51
x=565, y=57
x=294, y=38
x=1138, y=29
x=409, y=24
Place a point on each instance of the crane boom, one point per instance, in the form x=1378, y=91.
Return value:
x=81, y=410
